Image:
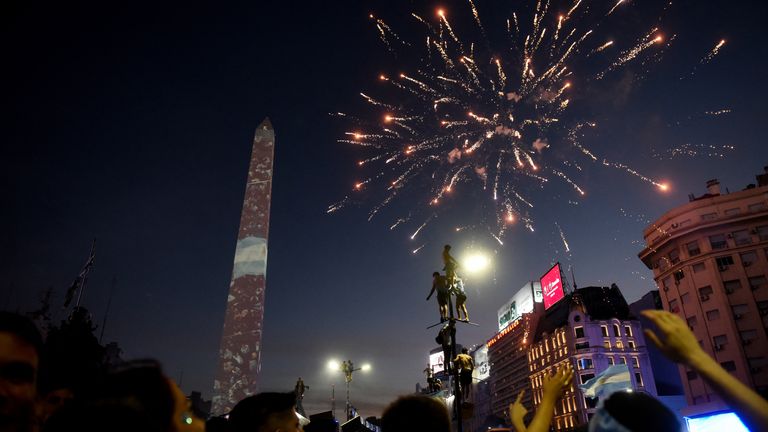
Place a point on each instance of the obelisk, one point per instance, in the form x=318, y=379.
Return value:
x=240, y=350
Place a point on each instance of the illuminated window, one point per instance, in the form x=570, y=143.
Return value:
x=607, y=344
x=619, y=344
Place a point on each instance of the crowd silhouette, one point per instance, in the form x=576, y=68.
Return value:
x=37, y=394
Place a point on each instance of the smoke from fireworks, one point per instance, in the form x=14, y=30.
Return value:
x=491, y=121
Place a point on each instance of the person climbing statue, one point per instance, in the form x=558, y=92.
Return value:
x=430, y=378
x=461, y=300
x=445, y=338
x=440, y=284
x=465, y=365
x=450, y=265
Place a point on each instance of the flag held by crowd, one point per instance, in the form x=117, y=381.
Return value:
x=613, y=379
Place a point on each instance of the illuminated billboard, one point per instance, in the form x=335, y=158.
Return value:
x=537, y=297
x=436, y=361
x=552, y=286
x=520, y=303
x=482, y=368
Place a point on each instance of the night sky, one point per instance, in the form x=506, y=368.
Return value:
x=133, y=124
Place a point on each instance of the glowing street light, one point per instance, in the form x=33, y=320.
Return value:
x=347, y=368
x=476, y=262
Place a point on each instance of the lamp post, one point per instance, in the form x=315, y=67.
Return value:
x=348, y=368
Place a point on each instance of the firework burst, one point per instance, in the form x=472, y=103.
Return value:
x=493, y=124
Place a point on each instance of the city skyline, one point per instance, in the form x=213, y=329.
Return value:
x=140, y=137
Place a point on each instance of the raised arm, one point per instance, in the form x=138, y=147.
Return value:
x=553, y=388
x=678, y=343
x=516, y=413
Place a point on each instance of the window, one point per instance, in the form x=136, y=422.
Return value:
x=586, y=377
x=673, y=306
x=699, y=267
x=757, y=282
x=762, y=232
x=731, y=286
x=723, y=262
x=762, y=307
x=623, y=360
x=705, y=292
x=713, y=315
x=732, y=212
x=579, y=332
x=616, y=331
x=585, y=363
x=693, y=248
x=674, y=256
x=679, y=275
x=607, y=344
x=709, y=216
x=730, y=366
x=756, y=364
x=666, y=282
x=748, y=258
x=582, y=345
x=638, y=379
x=604, y=330
x=619, y=344
x=628, y=330
x=719, y=342
x=685, y=298
x=631, y=344
x=739, y=310
x=610, y=361
x=747, y=336
x=635, y=362
x=756, y=207
x=692, y=321
x=718, y=241
x=691, y=375
x=741, y=237
x=662, y=263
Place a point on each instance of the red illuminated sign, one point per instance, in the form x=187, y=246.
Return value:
x=552, y=286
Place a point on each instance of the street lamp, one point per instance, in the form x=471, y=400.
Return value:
x=347, y=368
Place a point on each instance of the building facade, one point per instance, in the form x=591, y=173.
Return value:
x=508, y=358
x=710, y=260
x=590, y=329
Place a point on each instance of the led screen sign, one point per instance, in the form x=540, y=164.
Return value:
x=552, y=286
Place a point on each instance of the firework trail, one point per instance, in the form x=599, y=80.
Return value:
x=562, y=237
x=689, y=150
x=706, y=59
x=491, y=122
